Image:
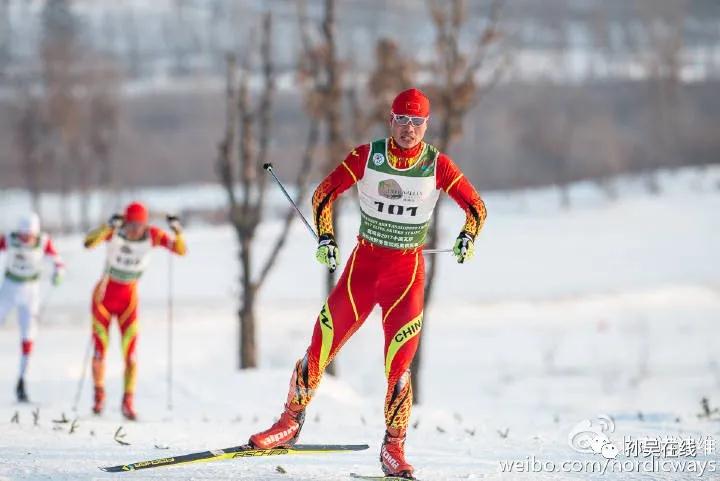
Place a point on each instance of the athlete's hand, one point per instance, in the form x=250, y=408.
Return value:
x=327, y=252
x=174, y=223
x=58, y=276
x=464, y=248
x=116, y=221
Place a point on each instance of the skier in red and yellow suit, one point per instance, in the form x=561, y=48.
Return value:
x=399, y=180
x=130, y=240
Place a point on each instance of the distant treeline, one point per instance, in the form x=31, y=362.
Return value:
x=519, y=135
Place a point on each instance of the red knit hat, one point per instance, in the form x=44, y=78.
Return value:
x=411, y=102
x=136, y=212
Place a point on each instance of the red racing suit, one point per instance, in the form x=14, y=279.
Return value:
x=391, y=277
x=116, y=292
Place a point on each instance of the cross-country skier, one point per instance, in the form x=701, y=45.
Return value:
x=130, y=239
x=399, y=180
x=26, y=248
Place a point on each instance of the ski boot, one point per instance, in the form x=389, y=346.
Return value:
x=127, y=407
x=22, y=396
x=283, y=433
x=99, y=400
x=392, y=457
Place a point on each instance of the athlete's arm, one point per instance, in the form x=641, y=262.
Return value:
x=341, y=179
x=98, y=236
x=451, y=179
x=50, y=251
x=175, y=244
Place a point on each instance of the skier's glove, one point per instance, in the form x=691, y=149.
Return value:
x=174, y=223
x=116, y=221
x=327, y=252
x=58, y=276
x=464, y=248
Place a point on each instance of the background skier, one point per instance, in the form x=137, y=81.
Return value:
x=25, y=248
x=130, y=239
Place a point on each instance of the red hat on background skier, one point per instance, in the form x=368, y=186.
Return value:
x=137, y=213
x=411, y=102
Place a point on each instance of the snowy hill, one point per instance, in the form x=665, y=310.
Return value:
x=609, y=307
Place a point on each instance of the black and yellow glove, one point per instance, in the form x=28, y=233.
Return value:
x=327, y=252
x=174, y=223
x=464, y=248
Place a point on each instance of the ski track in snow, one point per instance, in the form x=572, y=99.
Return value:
x=607, y=308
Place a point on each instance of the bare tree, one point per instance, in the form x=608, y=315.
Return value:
x=664, y=24
x=393, y=73
x=6, y=34
x=101, y=129
x=463, y=77
x=79, y=105
x=59, y=53
x=31, y=129
x=249, y=125
x=321, y=77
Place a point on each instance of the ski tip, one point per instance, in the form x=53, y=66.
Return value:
x=114, y=469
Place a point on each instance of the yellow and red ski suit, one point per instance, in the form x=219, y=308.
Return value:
x=374, y=274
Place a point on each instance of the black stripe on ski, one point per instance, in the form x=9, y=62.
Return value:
x=233, y=452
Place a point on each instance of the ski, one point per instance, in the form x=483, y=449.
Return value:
x=381, y=478
x=243, y=451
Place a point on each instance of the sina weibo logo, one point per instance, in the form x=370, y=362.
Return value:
x=390, y=189
x=591, y=436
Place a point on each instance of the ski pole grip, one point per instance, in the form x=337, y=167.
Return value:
x=267, y=166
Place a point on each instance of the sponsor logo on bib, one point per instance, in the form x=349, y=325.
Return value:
x=378, y=158
x=390, y=189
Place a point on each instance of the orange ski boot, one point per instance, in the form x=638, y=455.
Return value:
x=283, y=433
x=392, y=457
x=127, y=407
x=99, y=402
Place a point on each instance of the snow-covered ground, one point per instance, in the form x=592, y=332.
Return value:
x=607, y=308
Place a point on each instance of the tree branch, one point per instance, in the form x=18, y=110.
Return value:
x=302, y=184
x=265, y=109
x=225, y=146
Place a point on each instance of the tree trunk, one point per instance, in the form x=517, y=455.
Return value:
x=248, y=351
x=433, y=233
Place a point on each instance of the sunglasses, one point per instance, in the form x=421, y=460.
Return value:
x=133, y=225
x=406, y=119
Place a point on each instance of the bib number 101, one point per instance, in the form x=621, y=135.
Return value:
x=395, y=209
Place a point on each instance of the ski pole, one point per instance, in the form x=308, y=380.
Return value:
x=84, y=373
x=269, y=168
x=170, y=333
x=171, y=219
x=436, y=251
